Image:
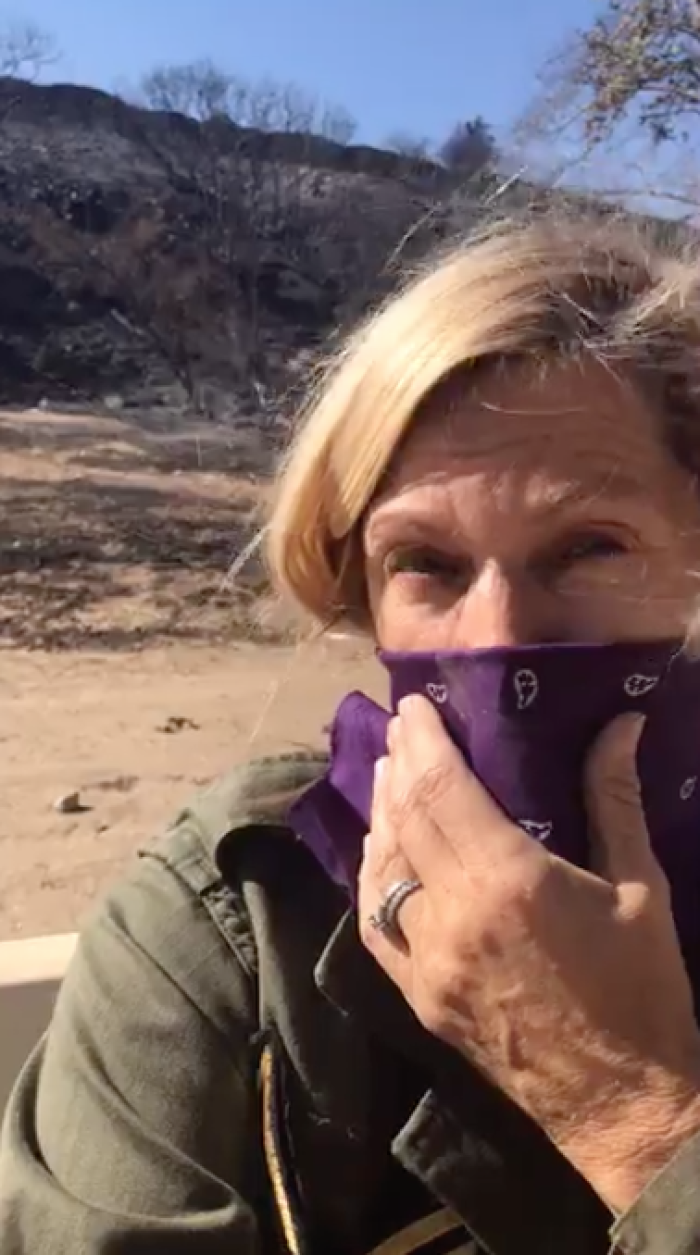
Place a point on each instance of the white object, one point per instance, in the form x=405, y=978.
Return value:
x=31, y=971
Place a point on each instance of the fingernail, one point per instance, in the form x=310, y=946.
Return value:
x=635, y=725
x=380, y=768
x=410, y=706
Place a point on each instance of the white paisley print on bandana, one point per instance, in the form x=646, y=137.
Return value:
x=542, y=831
x=526, y=686
x=639, y=685
x=688, y=788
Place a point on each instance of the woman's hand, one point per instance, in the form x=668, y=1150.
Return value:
x=566, y=988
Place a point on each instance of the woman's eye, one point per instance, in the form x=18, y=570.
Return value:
x=425, y=563
x=588, y=548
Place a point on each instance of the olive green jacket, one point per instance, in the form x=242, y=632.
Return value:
x=228, y=1070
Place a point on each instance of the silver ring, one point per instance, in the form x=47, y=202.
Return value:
x=385, y=920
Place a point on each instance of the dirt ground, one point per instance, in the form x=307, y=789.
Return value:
x=127, y=672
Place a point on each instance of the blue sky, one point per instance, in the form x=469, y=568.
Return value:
x=389, y=63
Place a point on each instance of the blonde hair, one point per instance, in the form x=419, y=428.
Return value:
x=541, y=287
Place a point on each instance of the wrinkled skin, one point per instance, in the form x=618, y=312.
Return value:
x=537, y=507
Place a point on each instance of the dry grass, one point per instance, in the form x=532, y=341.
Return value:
x=125, y=672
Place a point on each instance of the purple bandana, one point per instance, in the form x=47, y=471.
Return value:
x=524, y=720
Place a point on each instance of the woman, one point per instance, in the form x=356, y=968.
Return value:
x=493, y=1045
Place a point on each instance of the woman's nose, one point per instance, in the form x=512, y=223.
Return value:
x=503, y=609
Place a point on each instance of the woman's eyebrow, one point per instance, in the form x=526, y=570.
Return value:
x=426, y=514
x=425, y=521
x=615, y=486
x=408, y=523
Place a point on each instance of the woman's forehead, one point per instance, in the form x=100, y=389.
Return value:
x=549, y=440
x=526, y=418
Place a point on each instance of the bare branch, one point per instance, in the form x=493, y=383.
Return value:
x=197, y=89
x=640, y=59
x=336, y=124
x=202, y=90
x=25, y=50
x=414, y=146
x=615, y=101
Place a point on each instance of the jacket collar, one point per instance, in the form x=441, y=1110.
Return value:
x=473, y=1149
x=471, y=1146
